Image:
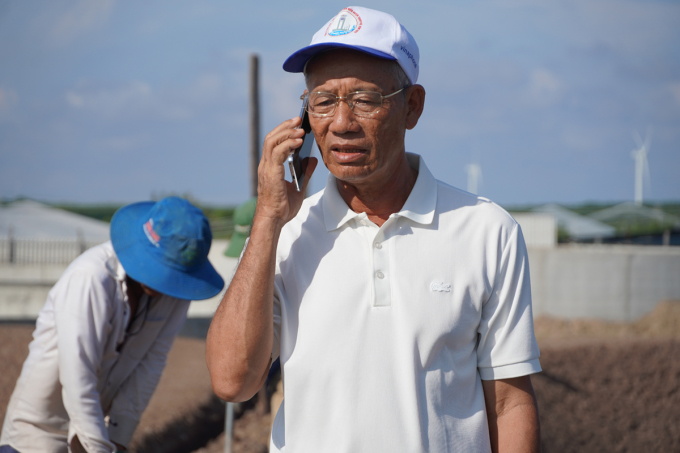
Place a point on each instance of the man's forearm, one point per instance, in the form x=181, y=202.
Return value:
x=512, y=414
x=239, y=341
x=516, y=431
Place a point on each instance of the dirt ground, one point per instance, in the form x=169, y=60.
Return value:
x=605, y=387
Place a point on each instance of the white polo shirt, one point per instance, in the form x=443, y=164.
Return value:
x=384, y=334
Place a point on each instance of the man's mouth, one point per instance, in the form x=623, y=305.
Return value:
x=347, y=154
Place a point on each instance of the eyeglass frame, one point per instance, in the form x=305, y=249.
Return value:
x=351, y=107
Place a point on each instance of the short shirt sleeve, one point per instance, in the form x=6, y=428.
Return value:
x=506, y=343
x=276, y=344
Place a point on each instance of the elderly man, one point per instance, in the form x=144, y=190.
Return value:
x=399, y=306
x=101, y=340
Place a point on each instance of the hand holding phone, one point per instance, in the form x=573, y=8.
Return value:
x=297, y=160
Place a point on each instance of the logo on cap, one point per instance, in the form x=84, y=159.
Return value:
x=153, y=237
x=348, y=21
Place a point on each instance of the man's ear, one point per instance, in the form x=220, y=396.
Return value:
x=415, y=102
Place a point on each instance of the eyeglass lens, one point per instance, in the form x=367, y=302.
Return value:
x=361, y=102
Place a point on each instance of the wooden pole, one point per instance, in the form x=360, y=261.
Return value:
x=254, y=122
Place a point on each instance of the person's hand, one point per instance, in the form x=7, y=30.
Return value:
x=278, y=199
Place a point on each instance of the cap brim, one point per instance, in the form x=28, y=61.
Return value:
x=236, y=244
x=297, y=61
x=127, y=237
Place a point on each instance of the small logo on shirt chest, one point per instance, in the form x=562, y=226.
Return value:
x=440, y=287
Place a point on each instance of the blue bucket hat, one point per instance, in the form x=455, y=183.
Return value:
x=164, y=245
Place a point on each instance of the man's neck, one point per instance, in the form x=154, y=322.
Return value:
x=382, y=199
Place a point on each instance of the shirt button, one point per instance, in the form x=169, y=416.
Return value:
x=379, y=274
x=378, y=245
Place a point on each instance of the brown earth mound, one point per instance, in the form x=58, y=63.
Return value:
x=610, y=397
x=606, y=387
x=663, y=322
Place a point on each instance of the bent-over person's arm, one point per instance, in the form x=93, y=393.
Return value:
x=82, y=311
x=240, y=339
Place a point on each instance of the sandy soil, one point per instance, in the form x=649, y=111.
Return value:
x=606, y=387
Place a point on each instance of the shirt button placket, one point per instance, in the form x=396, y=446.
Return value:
x=381, y=281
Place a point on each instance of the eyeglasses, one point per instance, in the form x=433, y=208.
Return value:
x=362, y=103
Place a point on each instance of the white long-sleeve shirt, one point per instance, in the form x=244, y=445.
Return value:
x=83, y=365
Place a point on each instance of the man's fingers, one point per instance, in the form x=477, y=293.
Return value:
x=279, y=146
x=277, y=197
x=282, y=131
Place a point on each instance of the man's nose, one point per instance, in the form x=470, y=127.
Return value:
x=344, y=119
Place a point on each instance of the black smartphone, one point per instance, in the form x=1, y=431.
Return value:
x=297, y=161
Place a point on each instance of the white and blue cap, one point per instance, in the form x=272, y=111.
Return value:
x=365, y=30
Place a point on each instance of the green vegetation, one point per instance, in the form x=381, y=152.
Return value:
x=100, y=212
x=220, y=218
x=627, y=224
x=221, y=221
x=589, y=207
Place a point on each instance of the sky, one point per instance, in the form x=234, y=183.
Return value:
x=119, y=101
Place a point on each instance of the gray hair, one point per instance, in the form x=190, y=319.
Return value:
x=394, y=68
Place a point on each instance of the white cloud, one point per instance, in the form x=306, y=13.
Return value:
x=579, y=138
x=137, y=99
x=75, y=99
x=206, y=87
x=119, y=144
x=111, y=103
x=282, y=92
x=8, y=99
x=675, y=90
x=83, y=17
x=545, y=88
x=176, y=113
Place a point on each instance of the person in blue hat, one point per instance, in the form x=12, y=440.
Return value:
x=102, y=338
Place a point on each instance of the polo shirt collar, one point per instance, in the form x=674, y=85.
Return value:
x=419, y=206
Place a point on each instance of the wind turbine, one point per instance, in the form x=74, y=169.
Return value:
x=474, y=173
x=641, y=164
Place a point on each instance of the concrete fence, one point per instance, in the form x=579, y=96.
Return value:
x=42, y=251
x=24, y=287
x=609, y=282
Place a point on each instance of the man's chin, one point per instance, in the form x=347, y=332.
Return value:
x=350, y=173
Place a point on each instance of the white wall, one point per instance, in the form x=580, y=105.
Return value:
x=538, y=229
x=24, y=288
x=610, y=282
